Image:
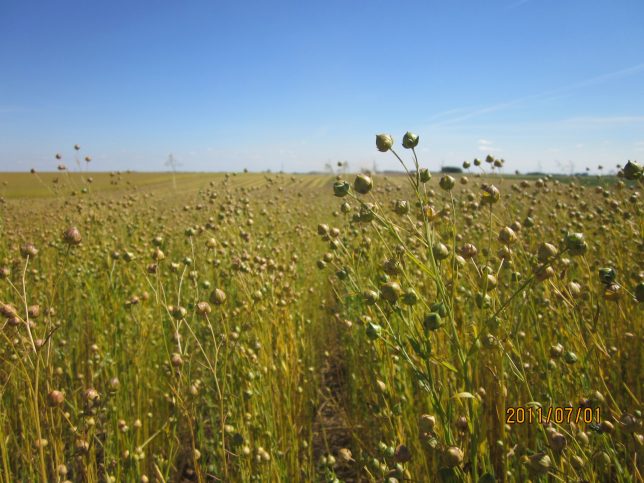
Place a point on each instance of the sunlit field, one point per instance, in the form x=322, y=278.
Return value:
x=359, y=327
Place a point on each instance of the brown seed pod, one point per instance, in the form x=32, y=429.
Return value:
x=402, y=454
x=176, y=359
x=391, y=291
x=72, y=236
x=82, y=446
x=91, y=396
x=461, y=424
x=203, y=308
x=468, y=251
x=557, y=441
x=33, y=311
x=55, y=398
x=28, y=250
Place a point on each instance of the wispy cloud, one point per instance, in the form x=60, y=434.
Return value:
x=602, y=121
x=486, y=146
x=600, y=79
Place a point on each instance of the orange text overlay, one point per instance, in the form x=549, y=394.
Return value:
x=557, y=415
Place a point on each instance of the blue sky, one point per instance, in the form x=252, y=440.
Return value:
x=550, y=84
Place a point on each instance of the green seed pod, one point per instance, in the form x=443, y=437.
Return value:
x=370, y=297
x=477, y=162
x=493, y=323
x=432, y=321
x=410, y=297
x=466, y=165
x=177, y=312
x=528, y=222
x=439, y=308
x=410, y=140
x=384, y=142
x=427, y=423
x=447, y=182
x=401, y=207
x=366, y=213
x=602, y=460
x=453, y=456
x=570, y=357
x=607, y=275
x=483, y=300
x=341, y=188
x=490, y=195
x=345, y=207
x=424, y=175
x=440, y=251
x=576, y=244
x=538, y=463
x=321, y=264
x=633, y=170
x=391, y=291
x=218, y=296
x=342, y=274
x=488, y=282
x=507, y=235
x=373, y=330
x=363, y=184
x=577, y=462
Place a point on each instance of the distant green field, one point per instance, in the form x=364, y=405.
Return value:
x=46, y=185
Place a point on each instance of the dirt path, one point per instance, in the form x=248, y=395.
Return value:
x=332, y=430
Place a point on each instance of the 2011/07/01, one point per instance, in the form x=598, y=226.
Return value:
x=557, y=415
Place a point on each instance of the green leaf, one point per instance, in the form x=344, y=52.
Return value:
x=449, y=366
